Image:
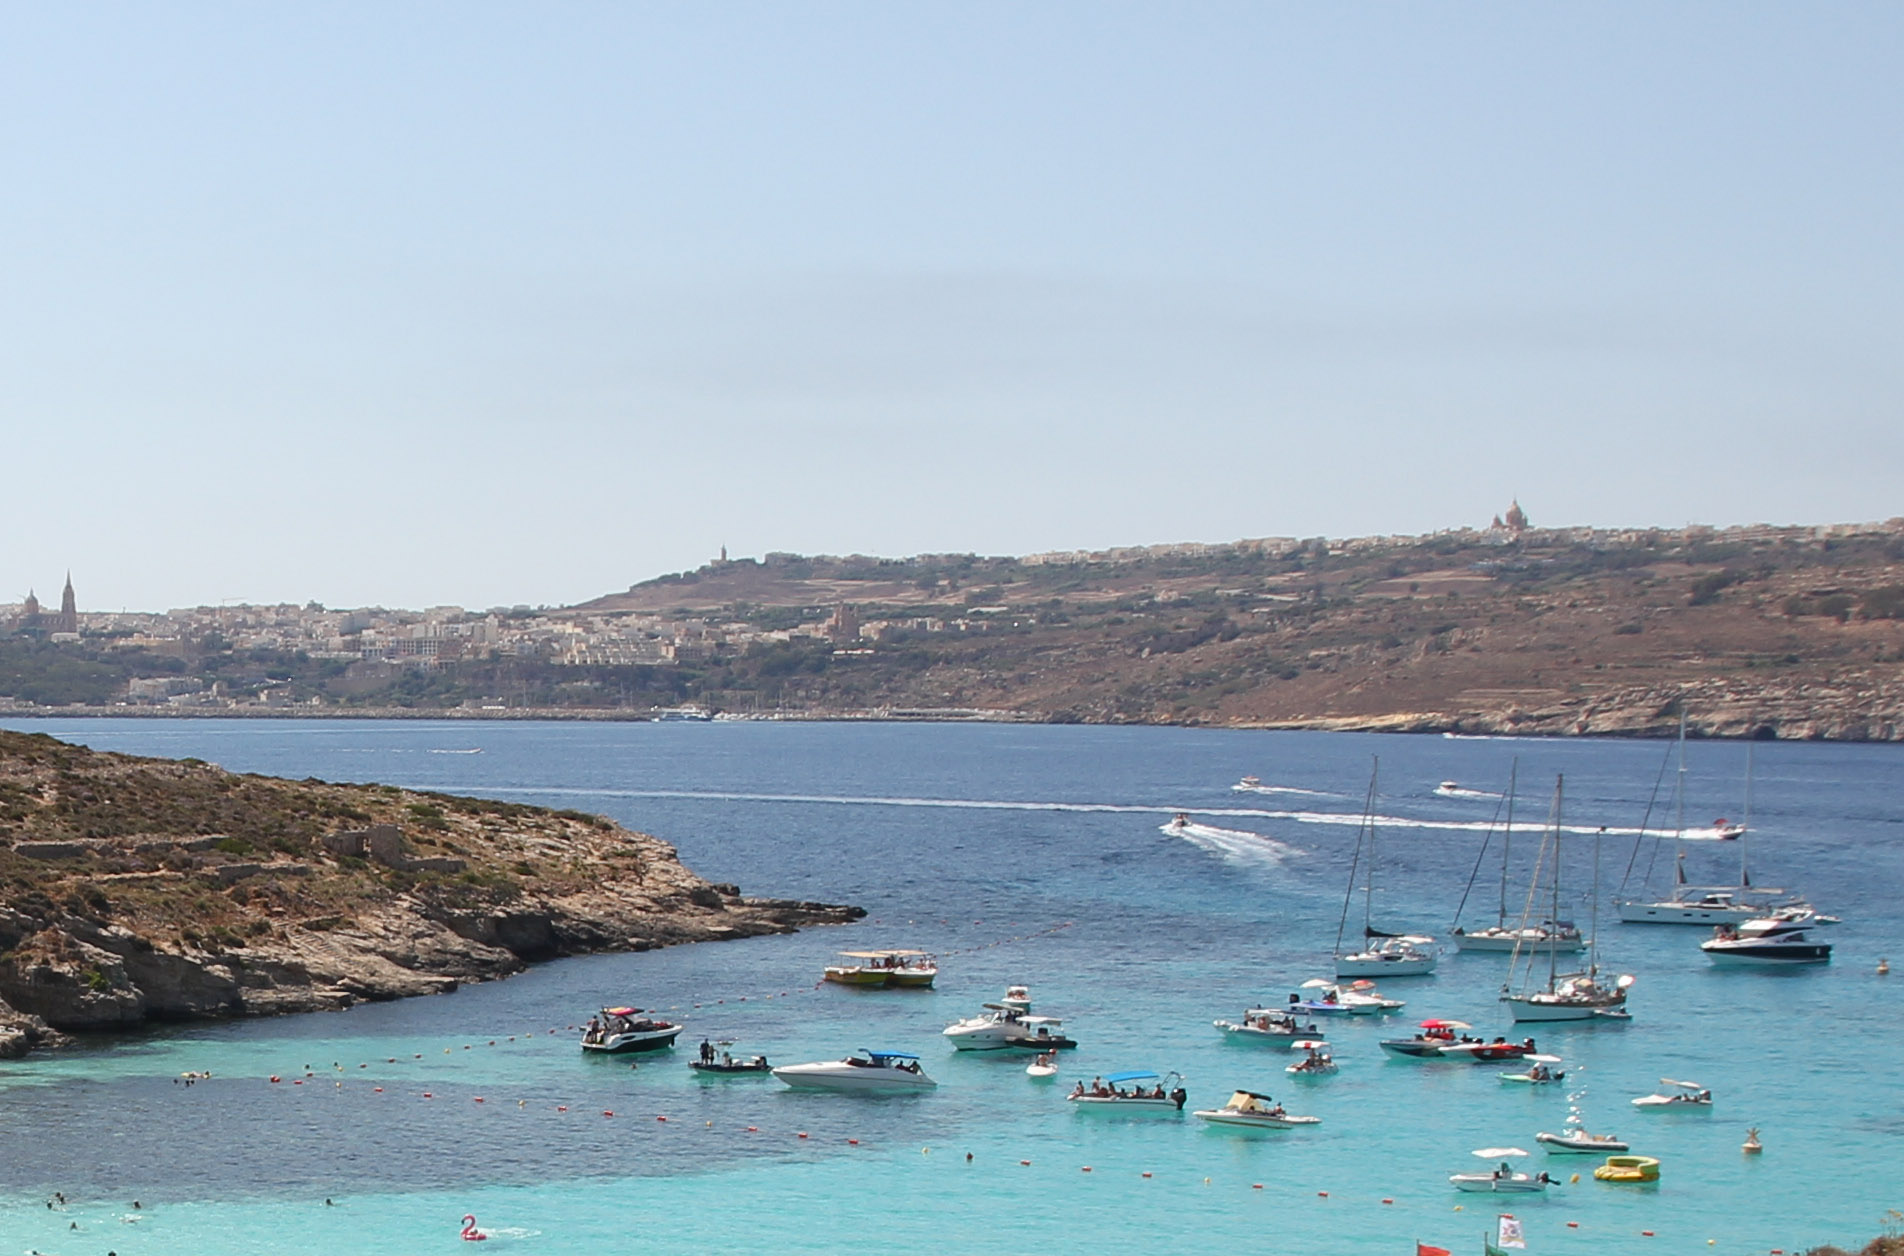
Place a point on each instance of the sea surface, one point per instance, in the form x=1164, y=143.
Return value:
x=1033, y=855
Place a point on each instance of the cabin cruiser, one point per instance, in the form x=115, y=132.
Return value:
x=619, y=1030
x=902, y=969
x=1505, y=1180
x=1001, y=1027
x=1318, y=1062
x=1495, y=1052
x=1269, y=1024
x=889, y=1072
x=1136, y=1090
x=1777, y=939
x=1677, y=1095
x=1406, y=955
x=1562, y=937
x=1693, y=905
x=1358, y=998
x=1249, y=1110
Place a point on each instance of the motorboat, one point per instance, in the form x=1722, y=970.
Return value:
x=1540, y=1071
x=901, y=969
x=867, y=1072
x=620, y=1030
x=1778, y=939
x=1496, y=1052
x=1677, y=1095
x=1560, y=936
x=1505, y=1180
x=1135, y=1090
x=1318, y=1062
x=1043, y=1067
x=1382, y=954
x=728, y=1065
x=1018, y=997
x=1001, y=1027
x=1401, y=955
x=1249, y=1110
x=1268, y=1024
x=1427, y=1044
x=1455, y=789
x=1577, y=1142
x=1358, y=998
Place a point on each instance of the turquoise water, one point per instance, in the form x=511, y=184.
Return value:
x=1022, y=854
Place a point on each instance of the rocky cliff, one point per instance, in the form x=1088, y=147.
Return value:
x=136, y=890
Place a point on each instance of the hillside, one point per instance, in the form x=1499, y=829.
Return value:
x=139, y=890
x=1786, y=633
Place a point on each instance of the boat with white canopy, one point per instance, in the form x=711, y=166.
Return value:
x=1249, y=1110
x=1504, y=1180
x=1134, y=1090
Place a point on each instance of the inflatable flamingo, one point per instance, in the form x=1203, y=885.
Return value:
x=470, y=1233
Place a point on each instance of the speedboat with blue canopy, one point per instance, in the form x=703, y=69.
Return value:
x=1135, y=1090
x=889, y=1072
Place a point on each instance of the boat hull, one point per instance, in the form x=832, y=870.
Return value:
x=1253, y=1120
x=853, y=1080
x=1499, y=944
x=1382, y=966
x=1563, y=1145
x=1525, y=1009
x=1271, y=1037
x=1786, y=953
x=628, y=1044
x=1687, y=913
x=1141, y=1107
x=1489, y=1184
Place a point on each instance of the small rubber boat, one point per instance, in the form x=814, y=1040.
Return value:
x=1319, y=1062
x=1578, y=1142
x=1127, y=1092
x=1043, y=1067
x=1628, y=1169
x=1505, y=1180
x=1683, y=1095
x=1249, y=1110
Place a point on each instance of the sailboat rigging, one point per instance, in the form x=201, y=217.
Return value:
x=1552, y=933
x=1382, y=954
x=1568, y=996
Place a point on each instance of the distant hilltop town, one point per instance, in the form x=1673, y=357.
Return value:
x=1465, y=627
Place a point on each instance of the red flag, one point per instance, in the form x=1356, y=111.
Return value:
x=1425, y=1249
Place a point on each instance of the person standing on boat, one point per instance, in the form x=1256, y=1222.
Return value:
x=707, y=1052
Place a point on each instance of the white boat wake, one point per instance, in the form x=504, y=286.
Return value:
x=1235, y=844
x=1346, y=819
x=1283, y=789
x=1448, y=789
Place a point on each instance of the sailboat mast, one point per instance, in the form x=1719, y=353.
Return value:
x=1679, y=787
x=1368, y=895
x=1553, y=955
x=1745, y=824
x=1593, y=911
x=1507, y=839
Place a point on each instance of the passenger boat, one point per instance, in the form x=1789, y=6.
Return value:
x=902, y=969
x=1249, y=1110
x=1505, y=1180
x=1574, y=1142
x=1127, y=1092
x=1681, y=1095
x=1269, y=1024
x=1778, y=939
x=620, y=1030
x=866, y=1072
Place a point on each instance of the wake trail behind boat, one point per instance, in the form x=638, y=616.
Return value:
x=1235, y=844
x=1283, y=789
x=1348, y=819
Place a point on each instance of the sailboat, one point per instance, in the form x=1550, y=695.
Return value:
x=1572, y=996
x=1706, y=904
x=1382, y=954
x=1552, y=934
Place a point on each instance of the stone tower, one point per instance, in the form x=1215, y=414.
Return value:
x=68, y=620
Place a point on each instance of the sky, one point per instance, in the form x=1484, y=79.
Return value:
x=475, y=303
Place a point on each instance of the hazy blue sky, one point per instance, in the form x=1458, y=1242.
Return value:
x=488, y=303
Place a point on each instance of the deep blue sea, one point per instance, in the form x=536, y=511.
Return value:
x=1020, y=854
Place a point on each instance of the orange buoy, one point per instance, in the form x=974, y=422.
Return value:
x=605, y=1112
x=561, y=1107
x=274, y=1077
x=1322, y=1194
x=1146, y=1173
x=379, y=1089
x=1087, y=1168
x=854, y=1142
x=803, y=1133
x=1388, y=1201
x=477, y=1099
x=662, y=1119
x=1024, y=1162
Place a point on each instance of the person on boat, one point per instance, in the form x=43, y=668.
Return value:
x=1078, y=1089
x=707, y=1052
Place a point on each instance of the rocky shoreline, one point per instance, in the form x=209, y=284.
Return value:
x=139, y=891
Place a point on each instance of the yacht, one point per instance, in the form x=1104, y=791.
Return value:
x=878, y=1072
x=1249, y=1110
x=1002, y=1027
x=1571, y=996
x=620, y=1030
x=1782, y=938
x=1269, y=1024
x=1136, y=1090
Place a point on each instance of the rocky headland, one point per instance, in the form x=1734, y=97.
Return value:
x=138, y=890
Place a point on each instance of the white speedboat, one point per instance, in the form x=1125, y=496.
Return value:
x=1268, y=1024
x=867, y=1072
x=1577, y=1142
x=1677, y=1095
x=1319, y=1062
x=1778, y=939
x=1505, y=1180
x=1358, y=998
x=1135, y=1090
x=1406, y=955
x=1249, y=1110
x=620, y=1030
x=1455, y=789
